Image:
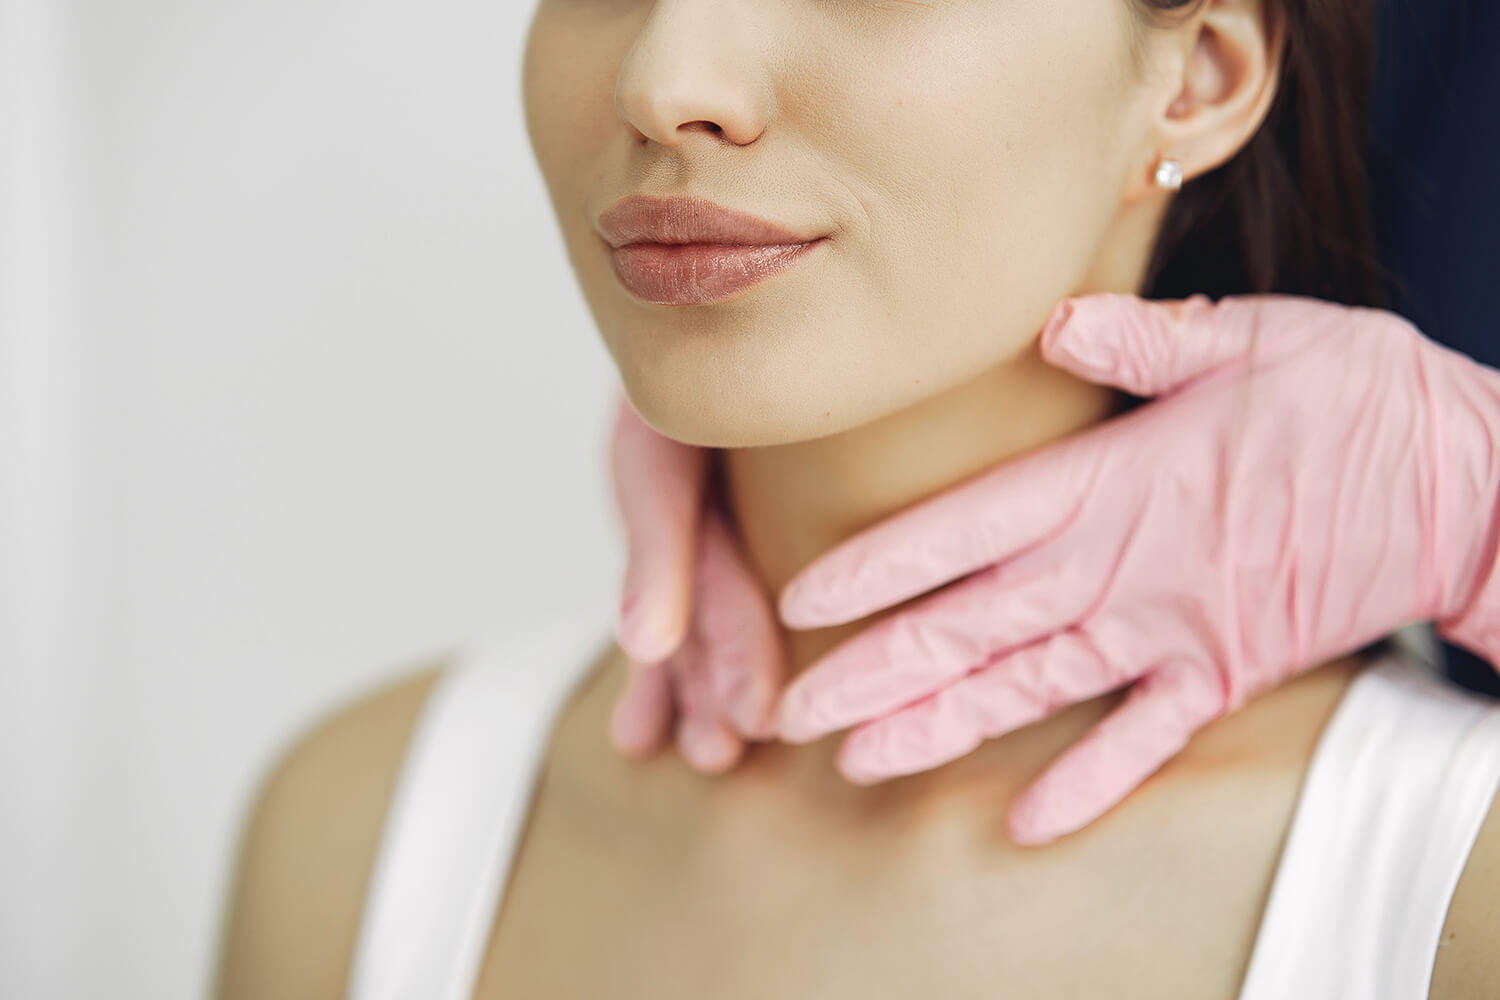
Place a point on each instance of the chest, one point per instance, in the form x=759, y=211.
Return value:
x=753, y=899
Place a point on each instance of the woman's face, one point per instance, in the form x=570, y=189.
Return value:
x=971, y=162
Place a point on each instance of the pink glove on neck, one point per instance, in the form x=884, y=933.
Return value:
x=1311, y=477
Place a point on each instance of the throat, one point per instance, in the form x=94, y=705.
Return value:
x=792, y=503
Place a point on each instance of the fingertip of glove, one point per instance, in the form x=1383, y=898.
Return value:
x=859, y=768
x=794, y=723
x=1028, y=836
x=638, y=723
x=1067, y=340
x=1062, y=315
x=709, y=747
x=754, y=723
x=645, y=632
x=627, y=734
x=797, y=608
x=1035, y=821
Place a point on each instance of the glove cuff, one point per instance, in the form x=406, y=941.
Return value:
x=1472, y=554
x=1477, y=626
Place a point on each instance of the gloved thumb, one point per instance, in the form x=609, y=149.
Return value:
x=658, y=485
x=1147, y=347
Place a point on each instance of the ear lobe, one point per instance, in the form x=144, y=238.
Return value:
x=1228, y=84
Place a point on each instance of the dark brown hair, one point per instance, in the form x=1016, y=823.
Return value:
x=1288, y=213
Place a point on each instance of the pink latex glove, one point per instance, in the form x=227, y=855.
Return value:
x=1365, y=457
x=1253, y=521
x=714, y=675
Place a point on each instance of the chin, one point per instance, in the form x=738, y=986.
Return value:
x=708, y=415
x=707, y=420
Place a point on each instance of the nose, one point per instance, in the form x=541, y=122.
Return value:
x=694, y=70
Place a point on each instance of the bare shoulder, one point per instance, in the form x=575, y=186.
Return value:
x=309, y=845
x=1468, y=963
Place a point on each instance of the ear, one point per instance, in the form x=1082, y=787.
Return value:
x=1225, y=80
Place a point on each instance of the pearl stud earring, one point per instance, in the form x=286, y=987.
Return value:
x=1169, y=175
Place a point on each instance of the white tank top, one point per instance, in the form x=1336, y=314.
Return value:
x=1397, y=789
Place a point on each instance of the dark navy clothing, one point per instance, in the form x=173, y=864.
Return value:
x=1435, y=176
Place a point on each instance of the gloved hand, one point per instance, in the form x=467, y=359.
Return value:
x=1244, y=527
x=718, y=670
x=1309, y=478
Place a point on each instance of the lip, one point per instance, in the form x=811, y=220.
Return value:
x=645, y=219
x=695, y=274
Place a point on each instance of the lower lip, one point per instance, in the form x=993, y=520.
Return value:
x=696, y=274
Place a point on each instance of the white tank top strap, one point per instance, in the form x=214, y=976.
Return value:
x=1401, y=782
x=459, y=806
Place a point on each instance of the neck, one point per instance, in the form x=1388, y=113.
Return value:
x=794, y=502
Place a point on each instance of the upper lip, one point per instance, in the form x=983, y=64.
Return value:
x=647, y=219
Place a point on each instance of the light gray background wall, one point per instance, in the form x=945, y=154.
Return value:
x=296, y=388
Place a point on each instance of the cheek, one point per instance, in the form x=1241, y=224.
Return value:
x=567, y=87
x=967, y=155
x=999, y=174
x=538, y=77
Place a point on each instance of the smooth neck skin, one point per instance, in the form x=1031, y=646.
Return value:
x=796, y=501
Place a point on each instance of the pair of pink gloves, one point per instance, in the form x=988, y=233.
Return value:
x=1308, y=478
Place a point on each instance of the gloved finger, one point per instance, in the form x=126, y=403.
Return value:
x=938, y=640
x=1149, y=347
x=658, y=486
x=1021, y=504
x=642, y=716
x=704, y=737
x=1016, y=690
x=1154, y=722
x=709, y=745
x=739, y=639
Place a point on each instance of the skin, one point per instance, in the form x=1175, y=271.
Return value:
x=959, y=159
x=974, y=162
x=1046, y=922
